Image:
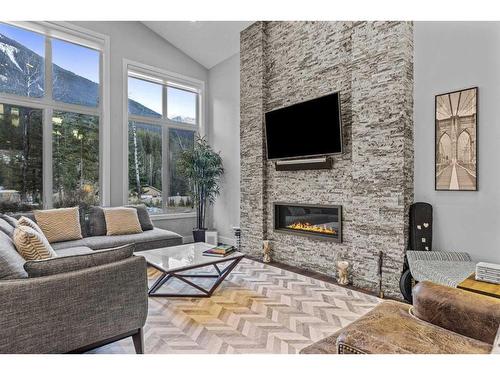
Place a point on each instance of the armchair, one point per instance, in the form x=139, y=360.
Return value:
x=75, y=311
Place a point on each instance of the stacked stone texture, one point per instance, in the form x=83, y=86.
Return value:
x=370, y=64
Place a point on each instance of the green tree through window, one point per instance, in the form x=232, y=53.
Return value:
x=21, y=139
x=75, y=159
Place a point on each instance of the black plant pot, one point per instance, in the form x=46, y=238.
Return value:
x=199, y=235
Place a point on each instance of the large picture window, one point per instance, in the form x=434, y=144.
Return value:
x=50, y=119
x=163, y=118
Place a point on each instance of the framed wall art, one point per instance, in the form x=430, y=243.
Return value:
x=456, y=140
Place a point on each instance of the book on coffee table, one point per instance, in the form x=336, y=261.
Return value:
x=220, y=251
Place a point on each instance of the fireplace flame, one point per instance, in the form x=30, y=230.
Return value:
x=312, y=228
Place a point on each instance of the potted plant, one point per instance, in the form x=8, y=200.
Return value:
x=202, y=168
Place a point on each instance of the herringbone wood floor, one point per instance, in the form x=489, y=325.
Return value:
x=257, y=309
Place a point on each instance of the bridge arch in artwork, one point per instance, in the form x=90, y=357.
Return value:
x=444, y=149
x=464, y=147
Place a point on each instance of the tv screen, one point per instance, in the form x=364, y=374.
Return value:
x=311, y=128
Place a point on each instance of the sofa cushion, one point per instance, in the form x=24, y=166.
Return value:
x=121, y=220
x=78, y=250
x=11, y=262
x=31, y=244
x=6, y=227
x=143, y=215
x=150, y=239
x=97, y=222
x=69, y=244
x=60, y=224
x=72, y=263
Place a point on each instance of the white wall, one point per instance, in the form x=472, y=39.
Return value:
x=450, y=56
x=224, y=135
x=134, y=41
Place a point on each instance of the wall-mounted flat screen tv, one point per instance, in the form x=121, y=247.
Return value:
x=311, y=128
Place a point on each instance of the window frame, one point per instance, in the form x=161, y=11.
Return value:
x=165, y=78
x=89, y=39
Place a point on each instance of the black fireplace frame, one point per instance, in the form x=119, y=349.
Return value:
x=312, y=235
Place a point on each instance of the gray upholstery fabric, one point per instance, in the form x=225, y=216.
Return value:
x=97, y=221
x=11, y=263
x=6, y=228
x=143, y=215
x=74, y=251
x=29, y=215
x=65, y=312
x=146, y=240
x=150, y=239
x=9, y=219
x=58, y=246
x=84, y=222
x=54, y=266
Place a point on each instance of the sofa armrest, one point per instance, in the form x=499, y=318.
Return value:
x=466, y=313
x=65, y=312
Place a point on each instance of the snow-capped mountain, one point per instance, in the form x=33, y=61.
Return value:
x=21, y=73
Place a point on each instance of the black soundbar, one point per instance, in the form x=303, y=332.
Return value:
x=304, y=164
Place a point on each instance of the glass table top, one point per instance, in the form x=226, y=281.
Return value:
x=176, y=258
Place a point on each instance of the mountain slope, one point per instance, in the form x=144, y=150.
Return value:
x=21, y=73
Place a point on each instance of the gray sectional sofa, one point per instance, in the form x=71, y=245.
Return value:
x=78, y=310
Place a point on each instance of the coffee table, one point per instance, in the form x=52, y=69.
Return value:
x=175, y=261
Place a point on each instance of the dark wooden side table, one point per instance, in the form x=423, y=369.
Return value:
x=472, y=285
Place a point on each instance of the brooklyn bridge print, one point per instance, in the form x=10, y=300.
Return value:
x=456, y=140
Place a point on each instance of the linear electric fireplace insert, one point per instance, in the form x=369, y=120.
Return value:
x=321, y=221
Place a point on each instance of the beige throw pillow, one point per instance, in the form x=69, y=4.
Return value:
x=60, y=224
x=121, y=220
x=31, y=244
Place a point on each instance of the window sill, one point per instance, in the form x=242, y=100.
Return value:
x=187, y=215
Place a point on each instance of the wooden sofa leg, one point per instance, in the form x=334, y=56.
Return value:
x=138, y=339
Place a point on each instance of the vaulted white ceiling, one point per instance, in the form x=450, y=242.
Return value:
x=208, y=42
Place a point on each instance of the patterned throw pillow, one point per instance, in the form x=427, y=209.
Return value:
x=121, y=220
x=23, y=220
x=61, y=224
x=143, y=215
x=31, y=244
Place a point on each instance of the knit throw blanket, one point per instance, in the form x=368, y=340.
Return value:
x=440, y=267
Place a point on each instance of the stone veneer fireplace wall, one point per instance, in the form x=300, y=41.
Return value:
x=371, y=65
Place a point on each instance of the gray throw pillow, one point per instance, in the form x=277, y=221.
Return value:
x=143, y=215
x=9, y=219
x=97, y=221
x=6, y=228
x=57, y=265
x=11, y=263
